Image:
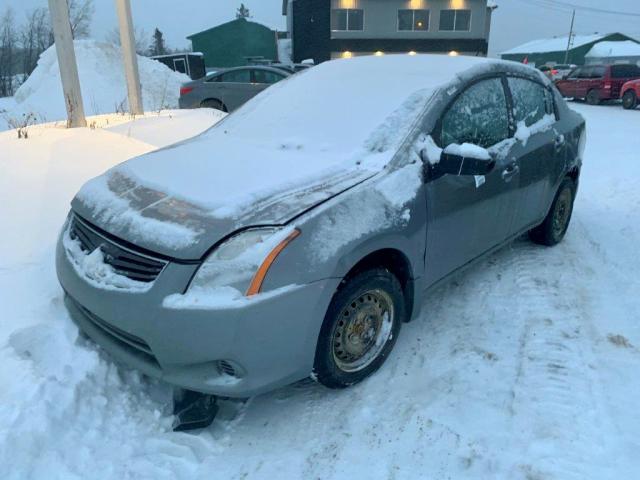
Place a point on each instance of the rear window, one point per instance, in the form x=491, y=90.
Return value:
x=625, y=71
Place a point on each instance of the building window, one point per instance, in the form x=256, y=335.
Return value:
x=413, y=20
x=455, y=20
x=347, y=19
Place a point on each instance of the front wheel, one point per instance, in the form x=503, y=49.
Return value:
x=593, y=97
x=552, y=230
x=629, y=100
x=359, y=329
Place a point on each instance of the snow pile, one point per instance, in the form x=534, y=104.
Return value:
x=468, y=150
x=102, y=82
x=626, y=48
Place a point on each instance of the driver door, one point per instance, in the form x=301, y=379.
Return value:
x=469, y=215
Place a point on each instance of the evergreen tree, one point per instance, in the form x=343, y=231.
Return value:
x=243, y=12
x=157, y=46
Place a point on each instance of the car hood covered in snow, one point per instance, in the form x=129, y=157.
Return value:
x=297, y=144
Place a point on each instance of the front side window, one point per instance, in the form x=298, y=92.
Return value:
x=347, y=19
x=530, y=101
x=455, y=20
x=265, y=76
x=478, y=116
x=413, y=20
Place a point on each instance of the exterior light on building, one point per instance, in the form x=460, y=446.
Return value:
x=379, y=53
x=453, y=53
x=458, y=4
x=347, y=54
x=412, y=53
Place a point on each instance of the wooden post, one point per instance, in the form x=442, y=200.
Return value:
x=128, y=45
x=63, y=38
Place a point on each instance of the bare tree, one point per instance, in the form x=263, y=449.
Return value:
x=81, y=15
x=35, y=38
x=8, y=53
x=36, y=34
x=142, y=39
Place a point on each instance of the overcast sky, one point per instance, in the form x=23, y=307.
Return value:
x=515, y=21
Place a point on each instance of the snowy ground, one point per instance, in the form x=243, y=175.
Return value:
x=526, y=367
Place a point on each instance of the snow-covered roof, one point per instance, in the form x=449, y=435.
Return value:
x=627, y=48
x=556, y=44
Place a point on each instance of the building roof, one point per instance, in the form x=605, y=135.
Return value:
x=237, y=20
x=627, y=48
x=556, y=44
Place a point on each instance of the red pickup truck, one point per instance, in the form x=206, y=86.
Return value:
x=596, y=83
x=630, y=94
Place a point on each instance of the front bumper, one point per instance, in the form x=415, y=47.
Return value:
x=269, y=342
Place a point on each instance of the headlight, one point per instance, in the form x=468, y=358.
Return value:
x=242, y=262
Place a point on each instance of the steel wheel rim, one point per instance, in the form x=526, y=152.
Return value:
x=562, y=212
x=362, y=330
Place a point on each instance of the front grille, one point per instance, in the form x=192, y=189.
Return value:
x=125, y=339
x=124, y=261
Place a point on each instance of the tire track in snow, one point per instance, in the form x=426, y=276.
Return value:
x=556, y=402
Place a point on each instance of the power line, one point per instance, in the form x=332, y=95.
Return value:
x=567, y=7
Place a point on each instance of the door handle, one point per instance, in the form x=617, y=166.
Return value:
x=509, y=172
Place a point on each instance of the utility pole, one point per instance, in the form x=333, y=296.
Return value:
x=566, y=54
x=63, y=38
x=128, y=45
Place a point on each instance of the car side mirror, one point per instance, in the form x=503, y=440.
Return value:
x=463, y=159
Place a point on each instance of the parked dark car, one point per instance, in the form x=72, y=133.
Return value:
x=597, y=83
x=292, y=240
x=229, y=89
x=630, y=94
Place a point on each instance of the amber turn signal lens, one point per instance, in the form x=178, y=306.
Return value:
x=258, y=278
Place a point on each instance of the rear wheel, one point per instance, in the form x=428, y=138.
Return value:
x=215, y=104
x=629, y=100
x=552, y=230
x=593, y=97
x=359, y=329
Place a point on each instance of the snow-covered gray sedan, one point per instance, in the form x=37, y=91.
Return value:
x=296, y=236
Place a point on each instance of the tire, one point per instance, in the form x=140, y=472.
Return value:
x=347, y=353
x=629, y=100
x=554, y=227
x=215, y=104
x=593, y=97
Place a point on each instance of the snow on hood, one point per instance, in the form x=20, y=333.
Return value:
x=298, y=143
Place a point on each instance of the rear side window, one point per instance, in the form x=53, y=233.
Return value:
x=236, y=76
x=625, y=71
x=478, y=116
x=265, y=76
x=531, y=101
x=598, y=72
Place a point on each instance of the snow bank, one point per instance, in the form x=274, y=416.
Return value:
x=102, y=82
